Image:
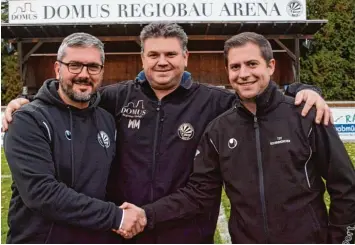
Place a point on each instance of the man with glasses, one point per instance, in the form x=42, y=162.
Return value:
x=60, y=148
x=76, y=68
x=160, y=117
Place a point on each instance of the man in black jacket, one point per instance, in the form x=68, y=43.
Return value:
x=160, y=117
x=59, y=149
x=271, y=161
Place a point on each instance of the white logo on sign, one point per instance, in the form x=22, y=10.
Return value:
x=132, y=110
x=103, y=139
x=133, y=123
x=294, y=8
x=232, y=143
x=186, y=131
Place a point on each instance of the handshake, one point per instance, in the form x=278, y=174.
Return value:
x=134, y=221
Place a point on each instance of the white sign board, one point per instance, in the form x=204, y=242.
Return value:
x=344, y=122
x=138, y=11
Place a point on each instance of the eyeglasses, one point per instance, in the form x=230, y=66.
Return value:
x=76, y=67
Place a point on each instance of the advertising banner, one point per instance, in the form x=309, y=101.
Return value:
x=138, y=11
x=344, y=122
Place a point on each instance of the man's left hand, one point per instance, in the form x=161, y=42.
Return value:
x=312, y=98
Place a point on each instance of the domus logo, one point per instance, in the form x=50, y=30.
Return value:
x=24, y=12
x=134, y=110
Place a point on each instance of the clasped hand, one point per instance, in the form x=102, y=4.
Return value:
x=134, y=221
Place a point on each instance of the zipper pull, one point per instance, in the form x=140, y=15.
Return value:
x=256, y=122
x=159, y=104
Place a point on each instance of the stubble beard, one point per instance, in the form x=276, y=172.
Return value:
x=81, y=97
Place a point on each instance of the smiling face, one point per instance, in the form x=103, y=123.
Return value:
x=78, y=88
x=164, y=62
x=248, y=72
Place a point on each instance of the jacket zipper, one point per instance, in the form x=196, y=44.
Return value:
x=155, y=149
x=261, y=177
x=72, y=149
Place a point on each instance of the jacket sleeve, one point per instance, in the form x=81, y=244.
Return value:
x=294, y=88
x=226, y=101
x=113, y=97
x=336, y=168
x=203, y=188
x=30, y=159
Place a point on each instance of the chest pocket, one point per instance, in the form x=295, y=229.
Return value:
x=238, y=157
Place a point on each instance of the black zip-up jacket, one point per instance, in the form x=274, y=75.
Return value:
x=271, y=165
x=156, y=147
x=60, y=158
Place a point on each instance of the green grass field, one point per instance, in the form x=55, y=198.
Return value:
x=6, y=194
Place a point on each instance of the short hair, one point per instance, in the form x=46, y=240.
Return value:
x=162, y=29
x=81, y=40
x=249, y=37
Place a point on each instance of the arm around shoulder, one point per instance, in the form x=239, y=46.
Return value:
x=113, y=96
x=294, y=88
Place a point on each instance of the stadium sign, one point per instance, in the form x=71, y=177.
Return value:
x=137, y=11
x=344, y=122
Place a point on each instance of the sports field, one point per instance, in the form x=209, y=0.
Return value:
x=220, y=236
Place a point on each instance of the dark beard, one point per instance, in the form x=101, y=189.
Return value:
x=68, y=90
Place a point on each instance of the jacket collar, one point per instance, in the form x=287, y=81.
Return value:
x=49, y=93
x=267, y=100
x=186, y=80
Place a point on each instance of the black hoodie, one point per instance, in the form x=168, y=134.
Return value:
x=60, y=158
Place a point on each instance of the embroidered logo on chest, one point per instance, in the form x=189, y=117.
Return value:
x=134, y=110
x=232, y=143
x=103, y=139
x=67, y=134
x=280, y=140
x=186, y=131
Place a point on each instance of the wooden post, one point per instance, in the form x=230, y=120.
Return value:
x=297, y=61
x=21, y=66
